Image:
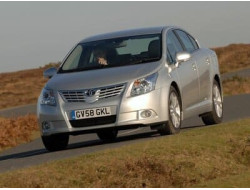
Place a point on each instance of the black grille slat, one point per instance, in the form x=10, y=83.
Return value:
x=93, y=121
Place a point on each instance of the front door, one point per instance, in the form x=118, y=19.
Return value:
x=187, y=74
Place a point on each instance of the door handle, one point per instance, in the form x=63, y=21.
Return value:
x=194, y=67
x=207, y=61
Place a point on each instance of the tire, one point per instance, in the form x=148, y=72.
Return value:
x=216, y=115
x=107, y=135
x=55, y=142
x=173, y=125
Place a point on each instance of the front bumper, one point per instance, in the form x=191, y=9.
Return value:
x=128, y=111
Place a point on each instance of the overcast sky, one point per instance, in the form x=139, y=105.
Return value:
x=33, y=34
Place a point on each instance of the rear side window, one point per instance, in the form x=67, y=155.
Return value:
x=193, y=42
x=186, y=41
x=173, y=47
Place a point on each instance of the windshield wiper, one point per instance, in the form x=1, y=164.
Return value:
x=144, y=60
x=82, y=69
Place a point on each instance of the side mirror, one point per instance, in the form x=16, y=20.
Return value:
x=181, y=57
x=49, y=72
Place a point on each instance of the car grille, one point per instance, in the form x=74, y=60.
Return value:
x=93, y=121
x=92, y=95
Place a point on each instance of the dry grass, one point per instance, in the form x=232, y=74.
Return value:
x=236, y=85
x=193, y=158
x=17, y=130
x=21, y=87
x=233, y=57
x=241, y=180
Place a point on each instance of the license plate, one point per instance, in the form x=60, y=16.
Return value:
x=90, y=113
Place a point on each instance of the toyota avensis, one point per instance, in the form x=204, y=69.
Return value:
x=153, y=77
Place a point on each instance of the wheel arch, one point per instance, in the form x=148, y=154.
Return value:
x=218, y=80
x=175, y=85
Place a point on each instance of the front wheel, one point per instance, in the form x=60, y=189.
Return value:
x=107, y=135
x=216, y=115
x=173, y=124
x=55, y=142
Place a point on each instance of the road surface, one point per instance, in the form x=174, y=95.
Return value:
x=240, y=73
x=33, y=153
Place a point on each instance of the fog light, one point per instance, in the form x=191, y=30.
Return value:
x=146, y=114
x=46, y=126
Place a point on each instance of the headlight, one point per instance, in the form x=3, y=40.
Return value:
x=144, y=85
x=48, y=98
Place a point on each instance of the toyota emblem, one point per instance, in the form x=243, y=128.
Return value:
x=90, y=92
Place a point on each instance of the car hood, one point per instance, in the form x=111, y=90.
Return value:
x=101, y=77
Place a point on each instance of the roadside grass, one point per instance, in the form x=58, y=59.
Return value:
x=233, y=57
x=210, y=156
x=240, y=180
x=18, y=130
x=22, y=87
x=236, y=85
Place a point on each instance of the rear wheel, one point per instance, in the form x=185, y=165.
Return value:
x=107, y=135
x=55, y=142
x=173, y=124
x=216, y=115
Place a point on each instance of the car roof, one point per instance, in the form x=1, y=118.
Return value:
x=124, y=33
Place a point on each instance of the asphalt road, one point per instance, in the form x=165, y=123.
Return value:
x=18, y=111
x=33, y=153
x=240, y=73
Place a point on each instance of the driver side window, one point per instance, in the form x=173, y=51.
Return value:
x=173, y=47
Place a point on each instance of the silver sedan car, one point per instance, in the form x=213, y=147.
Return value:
x=153, y=77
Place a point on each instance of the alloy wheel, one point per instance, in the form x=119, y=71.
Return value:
x=217, y=101
x=175, y=111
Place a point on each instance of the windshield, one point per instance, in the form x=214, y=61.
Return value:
x=113, y=53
